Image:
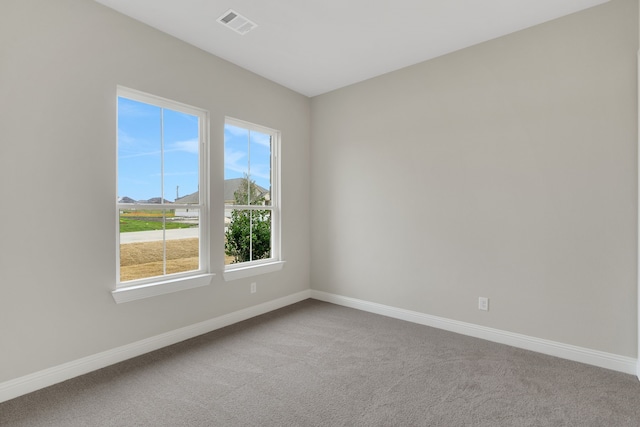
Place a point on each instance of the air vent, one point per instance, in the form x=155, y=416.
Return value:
x=238, y=23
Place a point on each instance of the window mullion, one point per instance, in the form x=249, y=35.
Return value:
x=249, y=169
x=250, y=236
x=249, y=195
x=164, y=212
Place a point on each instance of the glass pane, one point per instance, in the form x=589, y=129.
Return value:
x=183, y=243
x=236, y=164
x=260, y=235
x=141, y=244
x=260, y=168
x=139, y=145
x=158, y=242
x=181, y=153
x=248, y=236
x=237, y=240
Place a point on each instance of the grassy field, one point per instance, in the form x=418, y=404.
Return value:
x=144, y=259
x=146, y=224
x=141, y=220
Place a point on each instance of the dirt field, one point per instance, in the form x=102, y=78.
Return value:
x=144, y=259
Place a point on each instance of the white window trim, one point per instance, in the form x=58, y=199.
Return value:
x=275, y=262
x=160, y=285
x=252, y=270
x=147, y=290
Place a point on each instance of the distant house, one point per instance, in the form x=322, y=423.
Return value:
x=232, y=185
x=192, y=198
x=230, y=188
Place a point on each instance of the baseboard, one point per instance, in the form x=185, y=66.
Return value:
x=601, y=359
x=38, y=380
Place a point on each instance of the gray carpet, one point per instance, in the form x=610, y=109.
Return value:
x=318, y=364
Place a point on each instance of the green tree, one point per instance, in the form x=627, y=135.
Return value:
x=248, y=237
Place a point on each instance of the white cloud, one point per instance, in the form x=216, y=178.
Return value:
x=260, y=171
x=256, y=137
x=131, y=108
x=128, y=147
x=235, y=131
x=236, y=161
x=141, y=154
x=232, y=160
x=188, y=146
x=125, y=139
x=177, y=173
x=261, y=139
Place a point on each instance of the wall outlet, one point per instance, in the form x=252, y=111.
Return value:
x=483, y=303
x=253, y=287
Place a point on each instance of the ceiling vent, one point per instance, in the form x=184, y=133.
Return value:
x=238, y=23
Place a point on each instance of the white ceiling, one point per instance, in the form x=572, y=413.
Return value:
x=315, y=46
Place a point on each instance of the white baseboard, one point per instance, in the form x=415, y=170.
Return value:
x=601, y=359
x=47, y=377
x=38, y=380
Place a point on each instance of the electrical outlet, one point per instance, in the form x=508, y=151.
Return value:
x=253, y=287
x=483, y=303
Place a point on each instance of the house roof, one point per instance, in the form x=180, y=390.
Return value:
x=189, y=198
x=230, y=187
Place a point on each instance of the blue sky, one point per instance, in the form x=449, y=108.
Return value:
x=247, y=153
x=140, y=146
x=140, y=174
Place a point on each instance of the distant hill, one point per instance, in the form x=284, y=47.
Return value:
x=154, y=200
x=230, y=187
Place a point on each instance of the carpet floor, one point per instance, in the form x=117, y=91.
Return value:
x=319, y=364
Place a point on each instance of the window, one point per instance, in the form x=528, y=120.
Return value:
x=162, y=198
x=252, y=216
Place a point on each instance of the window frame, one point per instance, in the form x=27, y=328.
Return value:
x=166, y=283
x=274, y=262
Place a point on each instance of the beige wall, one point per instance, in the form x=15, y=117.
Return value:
x=505, y=170
x=60, y=62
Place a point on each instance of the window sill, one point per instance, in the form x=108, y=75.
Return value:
x=148, y=290
x=253, y=270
